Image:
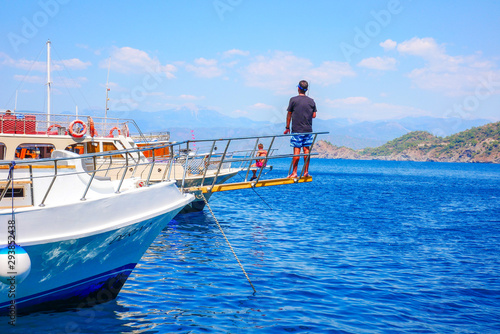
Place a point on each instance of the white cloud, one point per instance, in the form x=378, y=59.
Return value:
x=34, y=79
x=239, y=112
x=69, y=82
x=450, y=75
x=41, y=66
x=423, y=47
x=205, y=68
x=57, y=81
x=71, y=64
x=190, y=97
x=379, y=63
x=388, y=45
x=130, y=60
x=281, y=71
x=235, y=52
x=262, y=106
x=348, y=101
x=205, y=62
x=362, y=108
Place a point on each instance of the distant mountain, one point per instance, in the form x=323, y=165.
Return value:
x=186, y=119
x=205, y=124
x=479, y=144
x=358, y=135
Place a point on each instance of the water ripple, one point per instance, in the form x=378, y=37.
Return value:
x=368, y=247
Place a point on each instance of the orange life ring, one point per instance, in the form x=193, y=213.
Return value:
x=92, y=129
x=81, y=132
x=113, y=129
x=53, y=126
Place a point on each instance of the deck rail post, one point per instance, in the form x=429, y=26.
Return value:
x=265, y=159
x=51, y=184
x=185, y=172
x=308, y=156
x=252, y=154
x=123, y=175
x=207, y=163
x=220, y=164
x=90, y=181
x=151, y=169
x=171, y=164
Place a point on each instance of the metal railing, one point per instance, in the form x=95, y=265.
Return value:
x=204, y=167
x=34, y=123
x=242, y=159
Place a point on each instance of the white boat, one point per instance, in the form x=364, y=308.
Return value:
x=35, y=135
x=83, y=234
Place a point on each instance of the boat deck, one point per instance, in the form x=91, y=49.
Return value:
x=249, y=184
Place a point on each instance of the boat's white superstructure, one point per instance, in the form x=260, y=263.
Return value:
x=36, y=135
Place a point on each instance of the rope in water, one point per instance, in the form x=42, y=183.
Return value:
x=255, y=191
x=227, y=240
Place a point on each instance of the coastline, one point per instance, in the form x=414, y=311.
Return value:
x=477, y=145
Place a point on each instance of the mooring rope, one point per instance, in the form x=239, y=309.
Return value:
x=227, y=240
x=255, y=191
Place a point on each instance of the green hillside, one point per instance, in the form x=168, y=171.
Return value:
x=479, y=144
x=412, y=140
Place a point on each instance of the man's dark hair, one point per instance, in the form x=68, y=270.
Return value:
x=303, y=85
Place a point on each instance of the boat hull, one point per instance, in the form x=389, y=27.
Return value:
x=83, y=268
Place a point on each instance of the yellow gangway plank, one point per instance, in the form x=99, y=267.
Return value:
x=250, y=184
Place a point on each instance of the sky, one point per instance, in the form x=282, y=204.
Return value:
x=364, y=60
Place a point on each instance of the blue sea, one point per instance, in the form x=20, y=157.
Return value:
x=367, y=247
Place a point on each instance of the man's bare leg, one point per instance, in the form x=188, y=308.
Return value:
x=306, y=162
x=295, y=162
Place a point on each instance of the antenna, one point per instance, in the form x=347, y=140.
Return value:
x=48, y=81
x=15, y=103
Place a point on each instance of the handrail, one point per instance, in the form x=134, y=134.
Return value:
x=220, y=164
x=208, y=163
x=90, y=181
x=265, y=160
x=125, y=169
x=306, y=160
x=253, y=137
x=51, y=184
x=194, y=166
x=151, y=169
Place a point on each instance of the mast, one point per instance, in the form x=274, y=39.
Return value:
x=107, y=99
x=48, y=82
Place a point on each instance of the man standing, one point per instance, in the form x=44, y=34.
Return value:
x=301, y=111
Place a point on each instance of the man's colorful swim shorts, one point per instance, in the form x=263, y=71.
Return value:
x=301, y=140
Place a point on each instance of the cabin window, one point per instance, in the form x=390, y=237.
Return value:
x=34, y=151
x=2, y=151
x=107, y=146
x=162, y=152
x=77, y=148
x=18, y=192
x=92, y=147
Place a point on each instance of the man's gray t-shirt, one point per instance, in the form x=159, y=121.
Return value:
x=302, y=108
